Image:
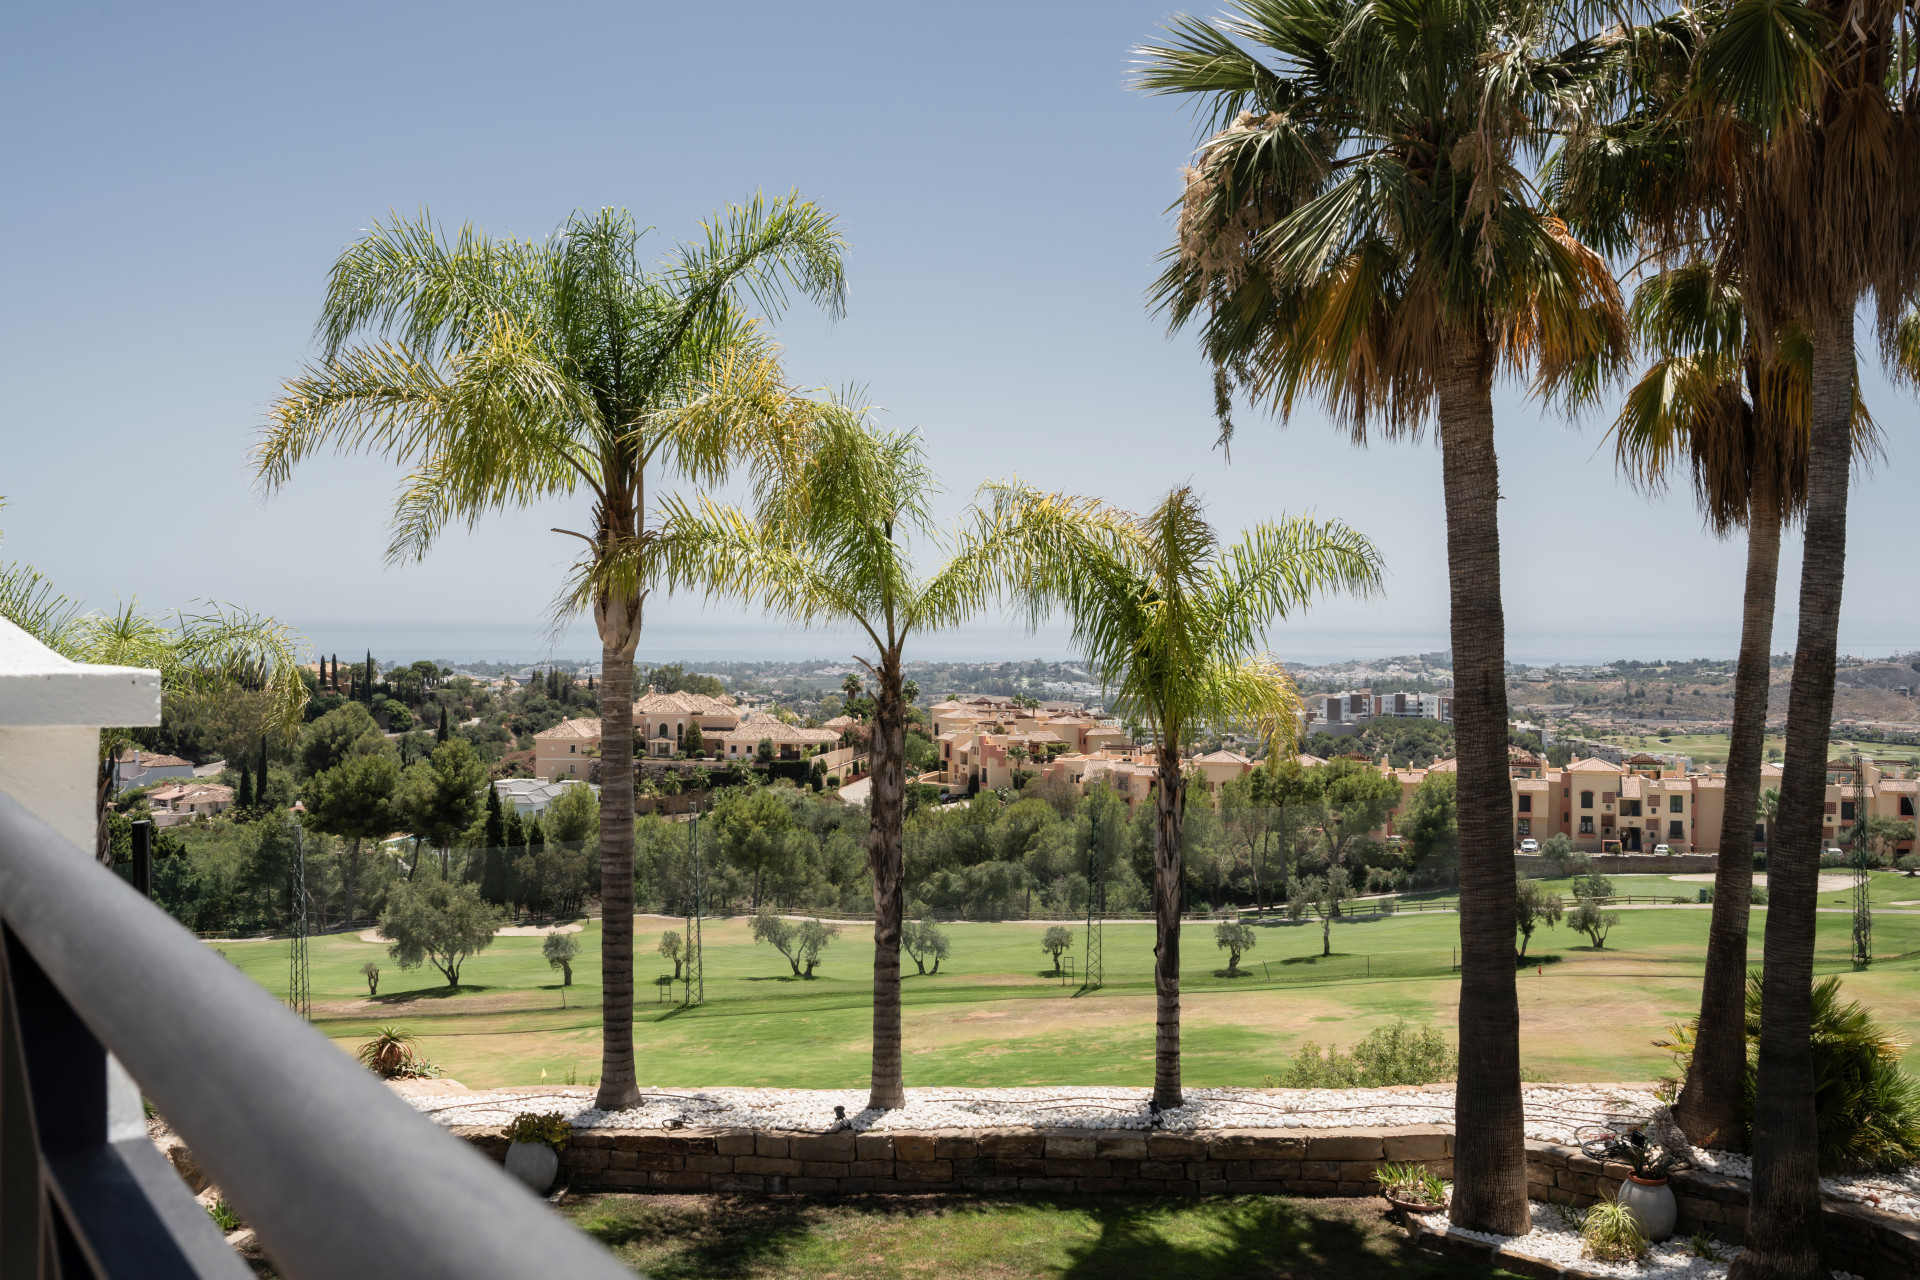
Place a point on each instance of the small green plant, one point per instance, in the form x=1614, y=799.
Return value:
x=223, y=1216
x=1413, y=1183
x=548, y=1127
x=1399, y=1053
x=1569, y=1216
x=1702, y=1245
x=1612, y=1234
x=391, y=1055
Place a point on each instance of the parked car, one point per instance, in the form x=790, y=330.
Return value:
x=1662, y=849
x=1529, y=846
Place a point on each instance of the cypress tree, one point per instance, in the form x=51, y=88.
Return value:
x=516, y=829
x=496, y=821
x=245, y=798
x=536, y=835
x=260, y=787
x=372, y=675
x=442, y=735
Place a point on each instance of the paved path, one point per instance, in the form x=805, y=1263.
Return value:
x=855, y=793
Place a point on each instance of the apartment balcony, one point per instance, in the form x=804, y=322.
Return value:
x=104, y=1000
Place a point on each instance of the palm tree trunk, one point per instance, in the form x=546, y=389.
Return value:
x=1708, y=1110
x=1168, y=801
x=1783, y=1222
x=619, y=634
x=1489, y=1165
x=886, y=858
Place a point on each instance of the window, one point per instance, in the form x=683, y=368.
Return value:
x=1526, y=827
x=1676, y=831
x=572, y=749
x=1586, y=800
x=1526, y=804
x=1759, y=833
x=1630, y=808
x=1846, y=811
x=1586, y=825
x=1676, y=804
x=1906, y=806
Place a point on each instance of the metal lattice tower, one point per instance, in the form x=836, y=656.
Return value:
x=1862, y=908
x=299, y=987
x=696, y=979
x=1095, y=972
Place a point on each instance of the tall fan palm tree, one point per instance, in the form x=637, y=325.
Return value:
x=1359, y=227
x=1794, y=129
x=201, y=657
x=1730, y=410
x=831, y=542
x=1171, y=622
x=503, y=373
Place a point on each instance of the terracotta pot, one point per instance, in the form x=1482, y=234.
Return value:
x=1650, y=1201
x=1408, y=1209
x=534, y=1163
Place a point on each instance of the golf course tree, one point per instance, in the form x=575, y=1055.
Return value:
x=1533, y=907
x=1171, y=622
x=354, y=801
x=841, y=539
x=1590, y=918
x=1321, y=895
x=924, y=940
x=371, y=972
x=439, y=797
x=1360, y=228
x=800, y=943
x=1236, y=938
x=810, y=940
x=505, y=374
x=1057, y=940
x=219, y=652
x=559, y=950
x=437, y=922
x=674, y=948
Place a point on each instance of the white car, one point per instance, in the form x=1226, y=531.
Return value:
x=1662, y=849
x=1529, y=846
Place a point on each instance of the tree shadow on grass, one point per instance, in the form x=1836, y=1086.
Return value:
x=724, y=1239
x=1235, y=973
x=1250, y=1236
x=429, y=993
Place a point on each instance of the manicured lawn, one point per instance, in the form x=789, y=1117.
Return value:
x=995, y=1015
x=1084, y=1238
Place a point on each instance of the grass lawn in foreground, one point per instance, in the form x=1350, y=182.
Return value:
x=995, y=1014
x=1081, y=1238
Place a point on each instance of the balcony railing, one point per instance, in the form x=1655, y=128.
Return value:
x=339, y=1178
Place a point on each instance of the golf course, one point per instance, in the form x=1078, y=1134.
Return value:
x=996, y=1013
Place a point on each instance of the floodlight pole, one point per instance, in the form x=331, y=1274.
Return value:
x=299, y=988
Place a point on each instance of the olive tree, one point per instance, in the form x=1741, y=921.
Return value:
x=1055, y=941
x=1234, y=937
x=437, y=921
x=559, y=950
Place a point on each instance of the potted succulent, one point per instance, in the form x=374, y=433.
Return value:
x=1645, y=1193
x=536, y=1140
x=1411, y=1189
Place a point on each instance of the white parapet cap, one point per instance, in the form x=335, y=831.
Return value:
x=38, y=687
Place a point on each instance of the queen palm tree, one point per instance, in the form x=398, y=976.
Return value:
x=503, y=373
x=1731, y=411
x=1359, y=227
x=830, y=542
x=1171, y=622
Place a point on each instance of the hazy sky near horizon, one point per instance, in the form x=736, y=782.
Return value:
x=182, y=177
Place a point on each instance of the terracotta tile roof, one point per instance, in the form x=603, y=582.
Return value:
x=685, y=704
x=840, y=722
x=149, y=759
x=1594, y=764
x=202, y=791
x=1222, y=757
x=767, y=727
x=585, y=727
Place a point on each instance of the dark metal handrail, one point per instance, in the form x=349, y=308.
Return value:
x=338, y=1177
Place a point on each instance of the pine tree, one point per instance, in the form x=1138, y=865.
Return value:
x=442, y=735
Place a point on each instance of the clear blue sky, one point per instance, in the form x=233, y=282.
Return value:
x=179, y=178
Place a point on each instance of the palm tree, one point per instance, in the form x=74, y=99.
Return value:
x=1794, y=127
x=1171, y=622
x=503, y=373
x=216, y=653
x=830, y=543
x=1731, y=410
x=1359, y=226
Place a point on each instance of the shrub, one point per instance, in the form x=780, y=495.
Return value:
x=1866, y=1108
x=391, y=1055
x=1612, y=1234
x=1399, y=1053
x=549, y=1128
x=1414, y=1183
x=1759, y=895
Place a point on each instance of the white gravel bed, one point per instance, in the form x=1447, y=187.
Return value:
x=1552, y=1114
x=1554, y=1239
x=1897, y=1192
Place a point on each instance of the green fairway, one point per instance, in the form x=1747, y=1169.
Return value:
x=996, y=1015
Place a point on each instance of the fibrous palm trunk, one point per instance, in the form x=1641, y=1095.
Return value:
x=886, y=858
x=1708, y=1110
x=619, y=623
x=1489, y=1167
x=1168, y=801
x=1783, y=1222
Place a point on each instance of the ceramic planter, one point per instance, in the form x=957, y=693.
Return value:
x=1650, y=1201
x=536, y=1164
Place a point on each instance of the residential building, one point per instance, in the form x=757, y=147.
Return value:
x=565, y=750
x=663, y=719
x=790, y=741
x=531, y=796
x=133, y=767
x=179, y=803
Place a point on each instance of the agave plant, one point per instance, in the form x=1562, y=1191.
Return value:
x=390, y=1054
